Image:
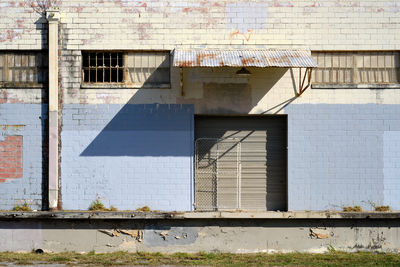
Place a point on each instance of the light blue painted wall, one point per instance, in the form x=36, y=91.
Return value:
x=391, y=168
x=343, y=155
x=31, y=118
x=128, y=156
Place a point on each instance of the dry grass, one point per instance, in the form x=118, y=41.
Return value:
x=210, y=259
x=144, y=209
x=23, y=207
x=97, y=205
x=352, y=209
x=382, y=208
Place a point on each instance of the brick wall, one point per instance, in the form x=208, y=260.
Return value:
x=22, y=168
x=156, y=24
x=10, y=157
x=116, y=24
x=337, y=25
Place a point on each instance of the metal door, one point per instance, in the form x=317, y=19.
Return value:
x=240, y=162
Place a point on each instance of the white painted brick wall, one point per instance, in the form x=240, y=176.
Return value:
x=156, y=24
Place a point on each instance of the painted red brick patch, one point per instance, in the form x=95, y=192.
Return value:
x=11, y=157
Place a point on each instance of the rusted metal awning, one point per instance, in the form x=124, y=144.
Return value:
x=288, y=58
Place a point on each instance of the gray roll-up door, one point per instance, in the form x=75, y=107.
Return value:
x=241, y=162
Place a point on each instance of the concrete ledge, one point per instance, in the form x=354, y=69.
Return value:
x=74, y=215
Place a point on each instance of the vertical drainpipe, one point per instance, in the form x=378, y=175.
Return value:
x=53, y=17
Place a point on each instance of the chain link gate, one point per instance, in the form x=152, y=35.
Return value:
x=217, y=174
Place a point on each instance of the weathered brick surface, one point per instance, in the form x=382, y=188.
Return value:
x=11, y=157
x=127, y=156
x=22, y=131
x=166, y=25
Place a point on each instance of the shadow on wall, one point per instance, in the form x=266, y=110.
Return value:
x=145, y=130
x=223, y=92
x=157, y=129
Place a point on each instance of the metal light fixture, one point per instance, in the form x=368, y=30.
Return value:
x=243, y=72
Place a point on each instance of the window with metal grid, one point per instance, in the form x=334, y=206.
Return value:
x=126, y=69
x=99, y=67
x=23, y=69
x=378, y=67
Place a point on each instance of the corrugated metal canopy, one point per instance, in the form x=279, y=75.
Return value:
x=244, y=58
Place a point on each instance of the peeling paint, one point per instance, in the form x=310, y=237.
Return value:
x=188, y=10
x=278, y=3
x=246, y=36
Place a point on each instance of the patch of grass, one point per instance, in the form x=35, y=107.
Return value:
x=144, y=209
x=382, y=208
x=352, y=209
x=333, y=258
x=23, y=207
x=112, y=208
x=97, y=205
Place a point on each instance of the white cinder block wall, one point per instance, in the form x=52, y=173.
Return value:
x=317, y=175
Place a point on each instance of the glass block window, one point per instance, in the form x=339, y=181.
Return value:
x=356, y=67
x=23, y=69
x=126, y=69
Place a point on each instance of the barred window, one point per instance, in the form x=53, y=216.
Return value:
x=356, y=68
x=23, y=69
x=126, y=69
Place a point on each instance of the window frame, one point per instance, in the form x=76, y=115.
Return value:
x=25, y=84
x=381, y=85
x=124, y=84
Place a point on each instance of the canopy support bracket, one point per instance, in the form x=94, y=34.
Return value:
x=302, y=80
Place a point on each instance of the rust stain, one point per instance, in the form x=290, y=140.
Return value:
x=201, y=57
x=246, y=61
x=78, y=9
x=185, y=63
x=281, y=59
x=244, y=35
